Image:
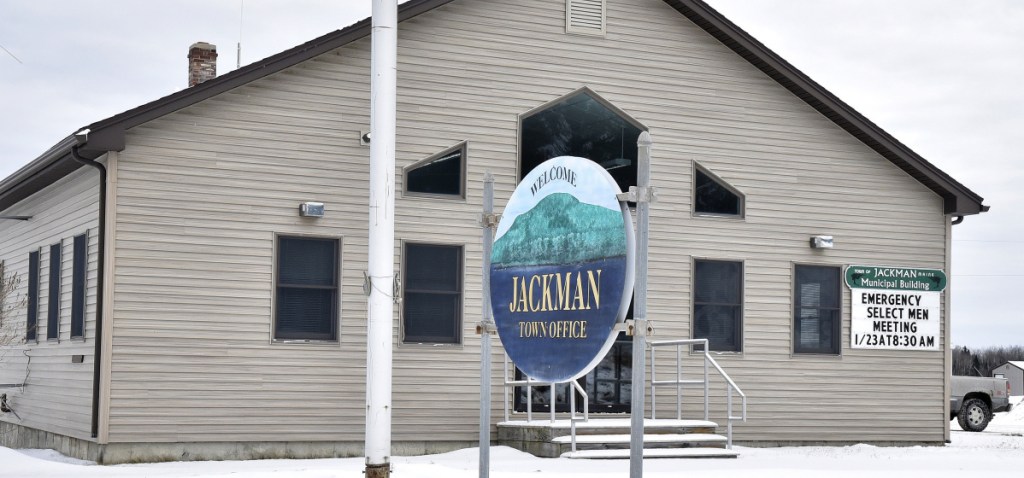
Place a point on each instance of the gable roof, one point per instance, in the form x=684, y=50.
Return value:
x=1016, y=363
x=109, y=134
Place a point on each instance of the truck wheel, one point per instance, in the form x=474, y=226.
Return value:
x=974, y=415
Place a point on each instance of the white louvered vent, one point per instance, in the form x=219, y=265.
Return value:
x=585, y=16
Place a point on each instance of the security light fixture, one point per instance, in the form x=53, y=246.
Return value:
x=311, y=209
x=822, y=242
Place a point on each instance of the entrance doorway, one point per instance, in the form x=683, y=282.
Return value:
x=609, y=385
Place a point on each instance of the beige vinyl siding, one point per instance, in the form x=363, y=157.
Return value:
x=58, y=393
x=203, y=191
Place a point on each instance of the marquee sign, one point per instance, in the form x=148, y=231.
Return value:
x=562, y=269
x=895, y=308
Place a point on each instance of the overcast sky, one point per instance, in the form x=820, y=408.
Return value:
x=945, y=77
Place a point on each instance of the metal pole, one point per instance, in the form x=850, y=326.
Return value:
x=679, y=381
x=551, y=390
x=380, y=304
x=707, y=385
x=643, y=183
x=486, y=325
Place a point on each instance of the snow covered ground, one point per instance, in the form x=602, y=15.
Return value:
x=998, y=451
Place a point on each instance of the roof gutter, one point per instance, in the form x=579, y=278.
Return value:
x=80, y=139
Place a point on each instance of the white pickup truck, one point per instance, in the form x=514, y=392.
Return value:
x=973, y=400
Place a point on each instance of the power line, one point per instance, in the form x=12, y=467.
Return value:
x=988, y=240
x=12, y=55
x=987, y=275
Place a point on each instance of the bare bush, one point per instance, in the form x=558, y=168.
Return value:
x=11, y=302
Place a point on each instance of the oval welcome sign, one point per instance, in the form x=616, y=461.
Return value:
x=562, y=269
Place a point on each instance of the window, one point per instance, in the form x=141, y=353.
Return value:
x=581, y=124
x=713, y=196
x=816, y=315
x=78, y=279
x=33, y=297
x=307, y=289
x=53, y=304
x=432, y=302
x=718, y=304
x=442, y=174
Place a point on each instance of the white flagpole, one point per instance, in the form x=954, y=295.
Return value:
x=380, y=306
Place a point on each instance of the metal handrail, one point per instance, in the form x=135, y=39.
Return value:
x=679, y=382
x=529, y=383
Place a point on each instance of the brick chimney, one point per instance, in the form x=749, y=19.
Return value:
x=202, y=63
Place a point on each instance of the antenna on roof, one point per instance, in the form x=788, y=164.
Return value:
x=12, y=54
x=241, y=11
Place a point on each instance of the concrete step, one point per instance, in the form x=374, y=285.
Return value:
x=550, y=439
x=650, y=440
x=620, y=454
x=606, y=426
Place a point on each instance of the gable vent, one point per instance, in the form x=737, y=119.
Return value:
x=585, y=16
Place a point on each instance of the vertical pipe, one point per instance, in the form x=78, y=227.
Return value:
x=643, y=183
x=529, y=400
x=654, y=396
x=97, y=353
x=380, y=307
x=551, y=407
x=679, y=382
x=505, y=399
x=947, y=346
x=707, y=384
x=485, y=330
x=728, y=414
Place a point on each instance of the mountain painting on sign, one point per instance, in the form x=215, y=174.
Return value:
x=561, y=269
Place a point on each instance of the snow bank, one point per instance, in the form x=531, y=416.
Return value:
x=998, y=451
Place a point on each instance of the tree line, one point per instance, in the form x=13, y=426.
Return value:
x=981, y=362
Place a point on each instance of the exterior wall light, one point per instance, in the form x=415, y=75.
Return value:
x=311, y=209
x=822, y=242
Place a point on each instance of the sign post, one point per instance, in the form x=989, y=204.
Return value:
x=895, y=308
x=644, y=197
x=488, y=221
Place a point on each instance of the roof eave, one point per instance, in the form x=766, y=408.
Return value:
x=957, y=198
x=109, y=134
